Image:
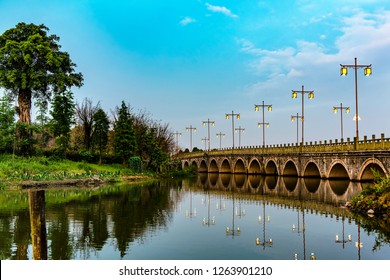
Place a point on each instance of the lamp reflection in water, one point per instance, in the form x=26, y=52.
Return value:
x=233, y=231
x=264, y=242
x=208, y=222
x=343, y=240
x=221, y=206
x=191, y=213
x=303, y=230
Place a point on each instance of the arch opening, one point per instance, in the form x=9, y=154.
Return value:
x=225, y=167
x=225, y=179
x=254, y=167
x=271, y=168
x=371, y=171
x=194, y=165
x=312, y=171
x=290, y=169
x=239, y=168
x=338, y=172
x=213, y=168
x=255, y=180
x=312, y=184
x=186, y=165
x=203, y=167
x=271, y=182
x=290, y=183
x=239, y=180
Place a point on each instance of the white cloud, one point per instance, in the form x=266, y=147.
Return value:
x=187, y=20
x=220, y=9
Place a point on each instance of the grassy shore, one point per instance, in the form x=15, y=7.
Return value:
x=15, y=170
x=373, y=200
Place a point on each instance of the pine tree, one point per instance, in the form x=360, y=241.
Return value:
x=125, y=144
x=100, y=131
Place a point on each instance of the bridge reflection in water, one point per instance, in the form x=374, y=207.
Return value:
x=328, y=191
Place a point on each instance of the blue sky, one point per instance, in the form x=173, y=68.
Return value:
x=187, y=61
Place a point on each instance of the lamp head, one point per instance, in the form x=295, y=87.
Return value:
x=213, y=123
x=294, y=94
x=227, y=116
x=270, y=108
x=292, y=118
x=347, y=110
x=367, y=71
x=256, y=108
x=311, y=95
x=335, y=110
x=238, y=116
x=343, y=71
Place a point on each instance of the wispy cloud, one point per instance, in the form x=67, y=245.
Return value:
x=187, y=20
x=220, y=9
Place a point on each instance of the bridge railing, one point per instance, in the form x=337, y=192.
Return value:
x=327, y=146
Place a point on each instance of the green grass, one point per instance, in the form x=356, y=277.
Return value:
x=13, y=169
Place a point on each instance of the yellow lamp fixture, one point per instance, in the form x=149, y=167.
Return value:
x=343, y=71
x=367, y=71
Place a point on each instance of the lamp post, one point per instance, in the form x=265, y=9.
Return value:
x=208, y=222
x=232, y=115
x=310, y=95
x=220, y=135
x=269, y=107
x=296, y=117
x=190, y=129
x=239, y=130
x=204, y=140
x=341, y=108
x=367, y=72
x=177, y=134
x=208, y=122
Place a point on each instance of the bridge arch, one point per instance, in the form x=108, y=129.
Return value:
x=338, y=171
x=271, y=168
x=186, y=165
x=225, y=166
x=239, y=166
x=213, y=166
x=311, y=170
x=254, y=166
x=203, y=167
x=290, y=169
x=194, y=165
x=366, y=172
x=213, y=179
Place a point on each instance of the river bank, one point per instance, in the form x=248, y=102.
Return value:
x=41, y=172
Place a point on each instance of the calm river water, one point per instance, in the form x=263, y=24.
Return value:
x=210, y=217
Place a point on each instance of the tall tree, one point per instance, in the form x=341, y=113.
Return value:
x=125, y=144
x=62, y=112
x=100, y=131
x=33, y=66
x=85, y=113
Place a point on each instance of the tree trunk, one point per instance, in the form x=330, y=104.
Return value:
x=24, y=131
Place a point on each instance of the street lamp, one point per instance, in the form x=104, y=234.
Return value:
x=232, y=115
x=310, y=95
x=220, y=135
x=296, y=117
x=208, y=222
x=367, y=72
x=190, y=129
x=204, y=140
x=177, y=134
x=269, y=108
x=239, y=130
x=208, y=122
x=341, y=108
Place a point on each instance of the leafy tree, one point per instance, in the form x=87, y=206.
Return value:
x=62, y=112
x=100, y=131
x=7, y=124
x=33, y=66
x=124, y=140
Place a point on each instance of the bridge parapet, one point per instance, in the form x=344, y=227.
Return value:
x=373, y=144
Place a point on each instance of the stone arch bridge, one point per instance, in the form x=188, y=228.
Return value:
x=355, y=161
